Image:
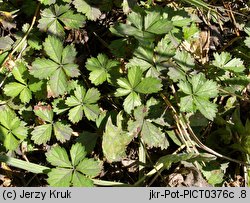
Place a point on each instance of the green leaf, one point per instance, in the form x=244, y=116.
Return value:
x=47, y=2
x=76, y=114
x=168, y=160
x=115, y=140
x=132, y=100
x=83, y=102
x=150, y=133
x=12, y=130
x=43, y=68
x=152, y=136
x=84, y=7
x=149, y=85
x=49, y=20
x=41, y=134
x=25, y=95
x=79, y=180
x=44, y=112
x=134, y=76
x=136, y=19
x=58, y=82
x=13, y=89
x=198, y=91
x=91, y=96
x=88, y=140
x=91, y=111
x=89, y=167
x=69, y=54
x=100, y=68
x=60, y=177
x=225, y=61
x=18, y=72
x=62, y=132
x=184, y=60
x=77, y=153
x=207, y=108
x=58, y=156
x=53, y=48
x=71, y=20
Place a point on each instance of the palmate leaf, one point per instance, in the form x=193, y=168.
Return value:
x=41, y=134
x=149, y=132
x=198, y=91
x=75, y=173
x=136, y=84
x=101, y=69
x=12, y=130
x=115, y=140
x=53, y=17
x=83, y=101
x=59, y=68
x=224, y=61
x=20, y=88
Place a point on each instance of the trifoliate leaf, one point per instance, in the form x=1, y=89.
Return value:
x=136, y=84
x=89, y=167
x=77, y=153
x=60, y=177
x=84, y=7
x=58, y=156
x=115, y=140
x=224, y=61
x=101, y=69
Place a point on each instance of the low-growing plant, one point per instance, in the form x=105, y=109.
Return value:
x=146, y=92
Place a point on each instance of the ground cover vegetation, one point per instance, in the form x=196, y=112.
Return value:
x=124, y=93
